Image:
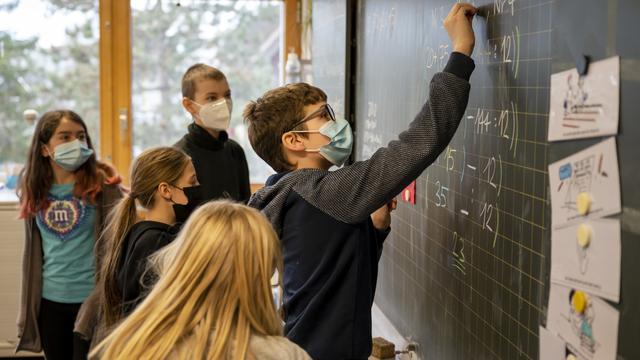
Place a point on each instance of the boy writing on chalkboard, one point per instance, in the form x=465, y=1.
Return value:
x=332, y=223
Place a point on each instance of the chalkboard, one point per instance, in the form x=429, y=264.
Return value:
x=329, y=51
x=465, y=272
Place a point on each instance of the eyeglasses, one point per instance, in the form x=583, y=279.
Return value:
x=324, y=111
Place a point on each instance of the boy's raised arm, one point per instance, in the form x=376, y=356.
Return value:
x=352, y=193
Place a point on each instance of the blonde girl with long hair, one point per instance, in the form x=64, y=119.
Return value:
x=165, y=189
x=213, y=296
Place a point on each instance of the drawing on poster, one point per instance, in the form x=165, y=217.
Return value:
x=583, y=106
x=579, y=175
x=585, y=185
x=581, y=317
x=577, y=108
x=588, y=324
x=586, y=257
x=583, y=258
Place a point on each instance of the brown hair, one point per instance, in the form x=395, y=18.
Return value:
x=153, y=166
x=37, y=175
x=275, y=113
x=198, y=72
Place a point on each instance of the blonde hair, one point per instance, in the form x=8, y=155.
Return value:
x=152, y=167
x=213, y=291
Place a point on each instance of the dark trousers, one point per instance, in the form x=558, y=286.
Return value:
x=55, y=322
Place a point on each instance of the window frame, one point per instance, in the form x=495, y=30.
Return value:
x=116, y=121
x=115, y=85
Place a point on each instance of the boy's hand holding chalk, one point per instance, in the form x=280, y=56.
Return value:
x=458, y=25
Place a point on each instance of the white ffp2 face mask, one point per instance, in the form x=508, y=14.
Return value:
x=216, y=115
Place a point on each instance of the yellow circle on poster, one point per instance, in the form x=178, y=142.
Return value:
x=583, y=203
x=584, y=235
x=579, y=301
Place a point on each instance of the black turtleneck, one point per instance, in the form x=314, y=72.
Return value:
x=220, y=164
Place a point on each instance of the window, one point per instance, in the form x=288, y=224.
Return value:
x=241, y=38
x=48, y=60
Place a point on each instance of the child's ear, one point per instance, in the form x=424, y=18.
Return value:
x=189, y=106
x=164, y=191
x=44, y=151
x=292, y=142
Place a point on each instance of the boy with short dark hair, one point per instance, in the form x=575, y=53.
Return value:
x=327, y=221
x=221, y=166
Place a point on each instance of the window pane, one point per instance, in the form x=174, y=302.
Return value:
x=48, y=60
x=241, y=38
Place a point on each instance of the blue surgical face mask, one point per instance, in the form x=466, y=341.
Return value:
x=71, y=155
x=337, y=151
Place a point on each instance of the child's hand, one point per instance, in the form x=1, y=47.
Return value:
x=382, y=217
x=458, y=25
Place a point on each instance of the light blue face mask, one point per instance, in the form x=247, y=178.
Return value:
x=337, y=151
x=70, y=156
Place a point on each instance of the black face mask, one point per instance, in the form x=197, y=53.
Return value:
x=194, y=197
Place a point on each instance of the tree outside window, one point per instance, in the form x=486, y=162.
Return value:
x=48, y=60
x=241, y=38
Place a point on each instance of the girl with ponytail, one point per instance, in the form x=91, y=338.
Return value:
x=213, y=296
x=165, y=188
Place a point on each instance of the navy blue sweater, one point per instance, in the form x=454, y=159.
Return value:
x=331, y=249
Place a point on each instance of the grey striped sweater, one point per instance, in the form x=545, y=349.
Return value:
x=331, y=250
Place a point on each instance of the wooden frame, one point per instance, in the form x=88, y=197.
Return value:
x=115, y=84
x=292, y=20
x=115, y=77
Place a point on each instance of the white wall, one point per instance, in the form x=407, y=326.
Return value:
x=11, y=244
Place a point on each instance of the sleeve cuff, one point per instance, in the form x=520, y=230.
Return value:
x=460, y=65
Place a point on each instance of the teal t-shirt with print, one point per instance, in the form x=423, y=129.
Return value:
x=68, y=236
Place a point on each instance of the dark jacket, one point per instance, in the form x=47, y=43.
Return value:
x=330, y=247
x=144, y=239
x=220, y=164
x=32, y=278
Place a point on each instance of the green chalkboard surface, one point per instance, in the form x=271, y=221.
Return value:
x=465, y=271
